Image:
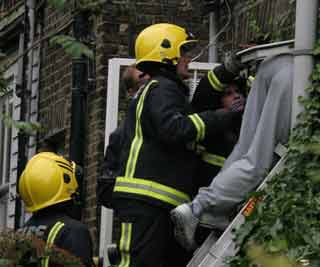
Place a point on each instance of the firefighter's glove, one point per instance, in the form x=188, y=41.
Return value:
x=232, y=63
x=105, y=186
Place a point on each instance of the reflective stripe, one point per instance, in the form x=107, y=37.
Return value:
x=250, y=80
x=200, y=126
x=213, y=159
x=214, y=81
x=138, y=138
x=125, y=241
x=151, y=189
x=50, y=240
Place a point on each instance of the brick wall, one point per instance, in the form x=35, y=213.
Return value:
x=55, y=80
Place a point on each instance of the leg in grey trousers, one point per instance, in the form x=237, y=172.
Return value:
x=266, y=123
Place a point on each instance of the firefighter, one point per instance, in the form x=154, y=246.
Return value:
x=48, y=187
x=266, y=123
x=217, y=148
x=158, y=157
x=132, y=79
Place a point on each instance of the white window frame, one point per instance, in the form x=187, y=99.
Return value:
x=111, y=123
x=7, y=105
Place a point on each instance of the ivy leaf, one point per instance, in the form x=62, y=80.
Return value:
x=72, y=47
x=30, y=128
x=5, y=263
x=58, y=4
x=277, y=245
x=316, y=51
x=276, y=228
x=314, y=175
x=313, y=148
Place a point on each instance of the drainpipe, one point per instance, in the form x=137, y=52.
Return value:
x=24, y=93
x=78, y=107
x=213, y=54
x=305, y=37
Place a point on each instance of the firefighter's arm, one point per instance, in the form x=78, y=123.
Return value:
x=77, y=241
x=166, y=108
x=211, y=88
x=167, y=105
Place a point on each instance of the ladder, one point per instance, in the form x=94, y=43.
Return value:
x=214, y=252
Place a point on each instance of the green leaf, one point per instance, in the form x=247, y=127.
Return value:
x=277, y=245
x=5, y=263
x=313, y=148
x=58, y=4
x=314, y=175
x=72, y=47
x=29, y=128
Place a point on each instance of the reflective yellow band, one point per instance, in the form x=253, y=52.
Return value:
x=50, y=240
x=250, y=80
x=200, y=126
x=213, y=159
x=214, y=81
x=125, y=241
x=138, y=138
x=150, y=189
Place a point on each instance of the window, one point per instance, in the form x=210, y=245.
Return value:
x=3, y=210
x=6, y=109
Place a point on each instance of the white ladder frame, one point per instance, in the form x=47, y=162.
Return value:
x=213, y=252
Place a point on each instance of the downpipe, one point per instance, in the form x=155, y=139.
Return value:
x=305, y=37
x=79, y=108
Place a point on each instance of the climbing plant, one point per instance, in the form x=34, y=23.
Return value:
x=21, y=250
x=74, y=48
x=274, y=30
x=285, y=226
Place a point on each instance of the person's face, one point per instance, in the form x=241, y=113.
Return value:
x=182, y=67
x=231, y=94
x=139, y=79
x=143, y=78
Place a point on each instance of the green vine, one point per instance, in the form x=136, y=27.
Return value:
x=71, y=46
x=275, y=26
x=20, y=250
x=285, y=226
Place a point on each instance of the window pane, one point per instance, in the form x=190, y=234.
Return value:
x=9, y=139
x=3, y=211
x=2, y=141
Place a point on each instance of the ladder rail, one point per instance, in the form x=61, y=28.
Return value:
x=213, y=251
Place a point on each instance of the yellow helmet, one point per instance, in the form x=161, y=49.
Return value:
x=162, y=43
x=47, y=179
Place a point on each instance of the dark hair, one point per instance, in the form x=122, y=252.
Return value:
x=127, y=78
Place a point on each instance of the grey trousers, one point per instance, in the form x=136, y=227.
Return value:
x=266, y=122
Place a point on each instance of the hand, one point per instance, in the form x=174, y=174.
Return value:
x=237, y=105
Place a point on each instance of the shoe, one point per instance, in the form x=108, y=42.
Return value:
x=185, y=225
